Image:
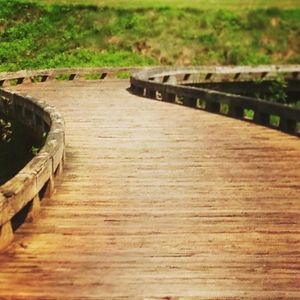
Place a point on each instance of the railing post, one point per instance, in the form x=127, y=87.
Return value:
x=151, y=93
x=63, y=161
x=168, y=97
x=288, y=126
x=50, y=187
x=139, y=90
x=236, y=111
x=60, y=168
x=261, y=118
x=190, y=102
x=34, y=209
x=132, y=87
x=6, y=235
x=212, y=106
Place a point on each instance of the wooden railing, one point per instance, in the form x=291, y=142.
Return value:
x=170, y=85
x=20, y=197
x=12, y=78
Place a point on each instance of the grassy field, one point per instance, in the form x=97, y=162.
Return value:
x=38, y=35
x=200, y=4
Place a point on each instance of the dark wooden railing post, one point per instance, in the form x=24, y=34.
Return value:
x=190, y=102
x=139, y=90
x=236, y=111
x=287, y=125
x=212, y=106
x=151, y=93
x=261, y=118
x=168, y=97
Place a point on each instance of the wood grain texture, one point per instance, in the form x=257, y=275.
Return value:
x=159, y=201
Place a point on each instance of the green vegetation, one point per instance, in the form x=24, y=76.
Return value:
x=16, y=152
x=17, y=146
x=35, y=35
x=276, y=91
x=5, y=131
x=200, y=4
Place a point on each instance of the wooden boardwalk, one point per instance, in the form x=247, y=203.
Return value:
x=159, y=201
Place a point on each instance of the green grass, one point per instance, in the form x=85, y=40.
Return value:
x=36, y=35
x=199, y=4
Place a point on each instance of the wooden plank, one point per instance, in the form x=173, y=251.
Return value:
x=16, y=193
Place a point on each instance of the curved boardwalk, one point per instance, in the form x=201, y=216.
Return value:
x=159, y=201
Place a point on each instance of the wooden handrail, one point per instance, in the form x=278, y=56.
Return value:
x=24, y=191
x=168, y=85
x=69, y=73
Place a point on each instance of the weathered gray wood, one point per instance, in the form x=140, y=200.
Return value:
x=34, y=209
x=50, y=187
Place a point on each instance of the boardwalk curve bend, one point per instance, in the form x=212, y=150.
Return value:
x=156, y=201
x=171, y=85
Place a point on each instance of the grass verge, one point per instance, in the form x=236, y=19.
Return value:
x=36, y=35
